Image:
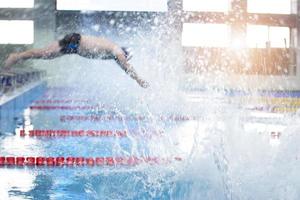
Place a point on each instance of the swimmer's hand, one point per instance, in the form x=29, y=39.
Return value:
x=142, y=83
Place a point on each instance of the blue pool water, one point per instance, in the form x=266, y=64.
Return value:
x=225, y=150
x=106, y=182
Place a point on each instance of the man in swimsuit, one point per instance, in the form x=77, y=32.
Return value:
x=85, y=46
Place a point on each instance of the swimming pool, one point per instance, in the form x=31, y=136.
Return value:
x=223, y=148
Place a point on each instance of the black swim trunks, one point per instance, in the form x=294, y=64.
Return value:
x=70, y=43
x=127, y=53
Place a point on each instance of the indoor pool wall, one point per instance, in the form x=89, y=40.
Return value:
x=13, y=105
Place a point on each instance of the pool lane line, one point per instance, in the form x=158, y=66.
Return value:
x=275, y=109
x=20, y=161
x=101, y=118
x=65, y=107
x=73, y=133
x=86, y=133
x=61, y=101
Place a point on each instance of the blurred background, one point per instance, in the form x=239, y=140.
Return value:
x=222, y=43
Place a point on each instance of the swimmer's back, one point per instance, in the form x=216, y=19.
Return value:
x=91, y=46
x=99, y=43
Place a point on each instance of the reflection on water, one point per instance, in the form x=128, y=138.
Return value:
x=230, y=152
x=16, y=182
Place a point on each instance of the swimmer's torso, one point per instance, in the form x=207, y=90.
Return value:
x=96, y=47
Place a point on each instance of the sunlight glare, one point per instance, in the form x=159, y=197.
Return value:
x=259, y=35
x=269, y=6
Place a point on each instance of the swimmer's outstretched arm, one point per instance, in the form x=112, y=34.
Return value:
x=50, y=52
x=122, y=61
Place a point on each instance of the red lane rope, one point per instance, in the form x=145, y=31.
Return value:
x=84, y=161
x=61, y=101
x=95, y=118
x=64, y=107
x=58, y=88
x=65, y=133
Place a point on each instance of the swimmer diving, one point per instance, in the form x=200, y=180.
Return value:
x=86, y=46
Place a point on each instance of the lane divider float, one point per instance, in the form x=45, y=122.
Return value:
x=61, y=101
x=85, y=107
x=83, y=161
x=74, y=133
x=100, y=118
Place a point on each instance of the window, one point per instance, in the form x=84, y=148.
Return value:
x=205, y=35
x=16, y=32
x=269, y=6
x=116, y=5
x=206, y=5
x=259, y=35
x=16, y=3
